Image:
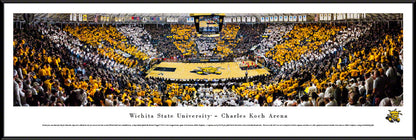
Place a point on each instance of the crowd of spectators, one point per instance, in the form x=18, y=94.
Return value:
x=139, y=37
x=314, y=64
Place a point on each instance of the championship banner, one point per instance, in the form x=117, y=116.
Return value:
x=285, y=18
x=95, y=18
x=234, y=19
x=275, y=18
x=238, y=19
x=329, y=16
x=294, y=18
x=267, y=19
x=70, y=17
x=262, y=19
x=280, y=18
x=248, y=19
x=243, y=19
x=84, y=17
x=290, y=18
x=304, y=17
x=253, y=19
x=80, y=17
x=300, y=18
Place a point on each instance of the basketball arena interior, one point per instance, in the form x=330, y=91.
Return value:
x=208, y=59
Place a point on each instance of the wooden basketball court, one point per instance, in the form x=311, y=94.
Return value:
x=210, y=71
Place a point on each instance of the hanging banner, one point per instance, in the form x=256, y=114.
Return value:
x=95, y=18
x=253, y=19
x=286, y=18
x=267, y=19
x=228, y=19
x=84, y=17
x=243, y=19
x=275, y=18
x=262, y=19
x=294, y=18
x=304, y=18
x=280, y=18
x=248, y=19
x=238, y=19
x=290, y=18
x=80, y=17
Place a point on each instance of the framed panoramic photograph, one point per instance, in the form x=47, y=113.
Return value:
x=208, y=70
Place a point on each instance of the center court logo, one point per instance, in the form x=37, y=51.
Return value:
x=207, y=70
x=394, y=116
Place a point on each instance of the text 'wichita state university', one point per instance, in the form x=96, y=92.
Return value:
x=207, y=116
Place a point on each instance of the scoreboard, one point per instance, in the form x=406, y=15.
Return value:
x=208, y=24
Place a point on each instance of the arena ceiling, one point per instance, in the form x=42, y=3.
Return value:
x=64, y=17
